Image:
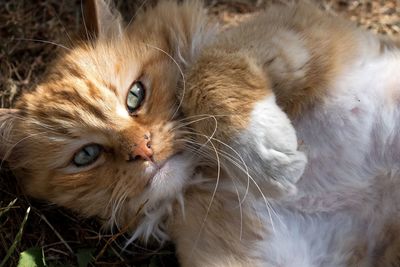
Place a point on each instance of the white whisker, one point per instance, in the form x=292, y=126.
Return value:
x=181, y=72
x=65, y=29
x=136, y=13
x=211, y=200
x=8, y=152
x=45, y=42
x=234, y=151
x=84, y=21
x=249, y=177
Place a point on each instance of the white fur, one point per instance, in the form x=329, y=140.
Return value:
x=172, y=177
x=166, y=187
x=269, y=149
x=121, y=111
x=350, y=186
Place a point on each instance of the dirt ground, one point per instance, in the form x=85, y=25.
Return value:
x=29, y=33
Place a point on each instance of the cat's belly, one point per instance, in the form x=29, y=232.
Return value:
x=348, y=196
x=352, y=139
x=353, y=230
x=307, y=240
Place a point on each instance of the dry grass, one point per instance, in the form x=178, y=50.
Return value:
x=60, y=233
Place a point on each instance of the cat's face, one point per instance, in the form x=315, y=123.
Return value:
x=101, y=135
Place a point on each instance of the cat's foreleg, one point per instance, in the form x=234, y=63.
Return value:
x=269, y=146
x=236, y=114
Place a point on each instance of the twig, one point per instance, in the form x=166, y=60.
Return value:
x=17, y=238
x=56, y=233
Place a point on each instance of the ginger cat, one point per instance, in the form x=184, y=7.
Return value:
x=181, y=133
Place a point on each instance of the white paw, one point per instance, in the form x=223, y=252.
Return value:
x=273, y=172
x=284, y=168
x=269, y=149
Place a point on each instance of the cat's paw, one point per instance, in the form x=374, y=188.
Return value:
x=269, y=171
x=284, y=169
x=269, y=149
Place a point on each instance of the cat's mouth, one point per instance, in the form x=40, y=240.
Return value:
x=172, y=173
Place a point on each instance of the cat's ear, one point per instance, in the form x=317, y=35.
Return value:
x=102, y=20
x=6, y=118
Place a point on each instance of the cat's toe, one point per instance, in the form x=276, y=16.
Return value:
x=291, y=171
x=269, y=171
x=284, y=169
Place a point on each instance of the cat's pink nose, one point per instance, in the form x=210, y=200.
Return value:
x=142, y=150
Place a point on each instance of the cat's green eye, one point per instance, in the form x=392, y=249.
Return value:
x=135, y=96
x=87, y=155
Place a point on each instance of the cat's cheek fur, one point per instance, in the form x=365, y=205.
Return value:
x=269, y=148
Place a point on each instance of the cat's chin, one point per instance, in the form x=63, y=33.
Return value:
x=165, y=187
x=171, y=177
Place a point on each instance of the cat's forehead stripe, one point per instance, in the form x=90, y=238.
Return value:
x=74, y=70
x=111, y=87
x=93, y=90
x=72, y=95
x=77, y=71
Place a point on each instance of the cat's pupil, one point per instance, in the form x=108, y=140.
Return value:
x=135, y=96
x=87, y=155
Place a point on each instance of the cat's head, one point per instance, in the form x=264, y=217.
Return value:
x=101, y=134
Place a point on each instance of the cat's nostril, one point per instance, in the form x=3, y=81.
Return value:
x=132, y=158
x=142, y=151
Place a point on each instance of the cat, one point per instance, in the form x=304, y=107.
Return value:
x=177, y=132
